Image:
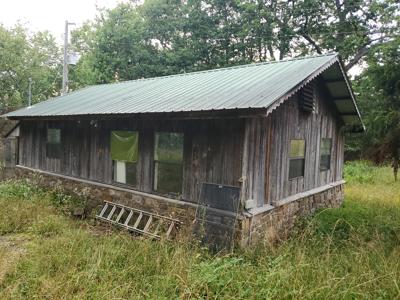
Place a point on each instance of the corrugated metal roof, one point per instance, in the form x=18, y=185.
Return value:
x=249, y=86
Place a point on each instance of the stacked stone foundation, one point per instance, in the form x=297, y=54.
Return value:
x=277, y=223
x=95, y=193
x=268, y=225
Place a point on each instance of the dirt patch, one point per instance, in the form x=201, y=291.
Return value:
x=11, y=250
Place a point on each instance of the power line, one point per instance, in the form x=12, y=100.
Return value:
x=276, y=35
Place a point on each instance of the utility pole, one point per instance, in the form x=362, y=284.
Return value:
x=30, y=92
x=65, y=62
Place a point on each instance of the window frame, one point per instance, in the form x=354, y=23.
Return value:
x=158, y=161
x=54, y=149
x=297, y=158
x=114, y=162
x=330, y=154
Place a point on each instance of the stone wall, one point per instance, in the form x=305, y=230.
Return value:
x=276, y=223
x=271, y=225
x=96, y=193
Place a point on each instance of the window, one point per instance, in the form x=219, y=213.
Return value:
x=53, y=144
x=124, y=153
x=168, y=163
x=297, y=158
x=325, y=155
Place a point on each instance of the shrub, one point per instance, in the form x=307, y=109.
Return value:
x=22, y=189
x=360, y=172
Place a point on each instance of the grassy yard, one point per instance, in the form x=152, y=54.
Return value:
x=351, y=253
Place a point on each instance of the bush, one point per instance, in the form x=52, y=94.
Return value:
x=22, y=189
x=65, y=202
x=360, y=171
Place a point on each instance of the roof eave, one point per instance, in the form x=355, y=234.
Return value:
x=353, y=98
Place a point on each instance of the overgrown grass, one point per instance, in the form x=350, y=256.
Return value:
x=352, y=252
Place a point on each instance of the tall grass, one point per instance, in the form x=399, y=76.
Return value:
x=352, y=253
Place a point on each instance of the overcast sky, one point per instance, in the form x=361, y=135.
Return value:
x=50, y=14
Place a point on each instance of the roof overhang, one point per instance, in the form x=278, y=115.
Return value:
x=340, y=91
x=342, y=95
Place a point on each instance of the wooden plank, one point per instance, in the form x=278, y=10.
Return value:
x=148, y=223
x=128, y=218
x=103, y=210
x=120, y=215
x=111, y=212
x=138, y=221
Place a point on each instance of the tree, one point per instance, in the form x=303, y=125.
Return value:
x=161, y=37
x=23, y=57
x=351, y=28
x=379, y=96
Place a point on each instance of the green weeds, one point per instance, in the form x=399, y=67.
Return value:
x=347, y=253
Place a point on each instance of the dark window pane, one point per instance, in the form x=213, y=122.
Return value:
x=168, y=166
x=53, y=136
x=53, y=144
x=168, y=177
x=125, y=172
x=131, y=173
x=325, y=154
x=325, y=162
x=297, y=148
x=296, y=167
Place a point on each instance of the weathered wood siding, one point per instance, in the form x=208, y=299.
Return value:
x=254, y=151
x=255, y=160
x=290, y=122
x=267, y=143
x=212, y=150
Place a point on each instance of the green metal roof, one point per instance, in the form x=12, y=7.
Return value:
x=250, y=86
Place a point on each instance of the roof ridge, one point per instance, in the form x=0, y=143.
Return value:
x=257, y=64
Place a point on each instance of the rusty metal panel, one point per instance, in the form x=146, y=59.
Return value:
x=216, y=216
x=220, y=196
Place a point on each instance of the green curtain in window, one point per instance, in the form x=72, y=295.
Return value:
x=124, y=145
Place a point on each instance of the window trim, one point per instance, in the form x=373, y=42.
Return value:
x=297, y=158
x=156, y=161
x=48, y=143
x=330, y=154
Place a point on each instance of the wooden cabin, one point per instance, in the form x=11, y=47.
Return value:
x=245, y=149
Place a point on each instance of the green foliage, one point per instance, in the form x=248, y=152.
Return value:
x=21, y=204
x=66, y=202
x=161, y=37
x=361, y=172
x=347, y=253
x=20, y=189
x=379, y=100
x=25, y=56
